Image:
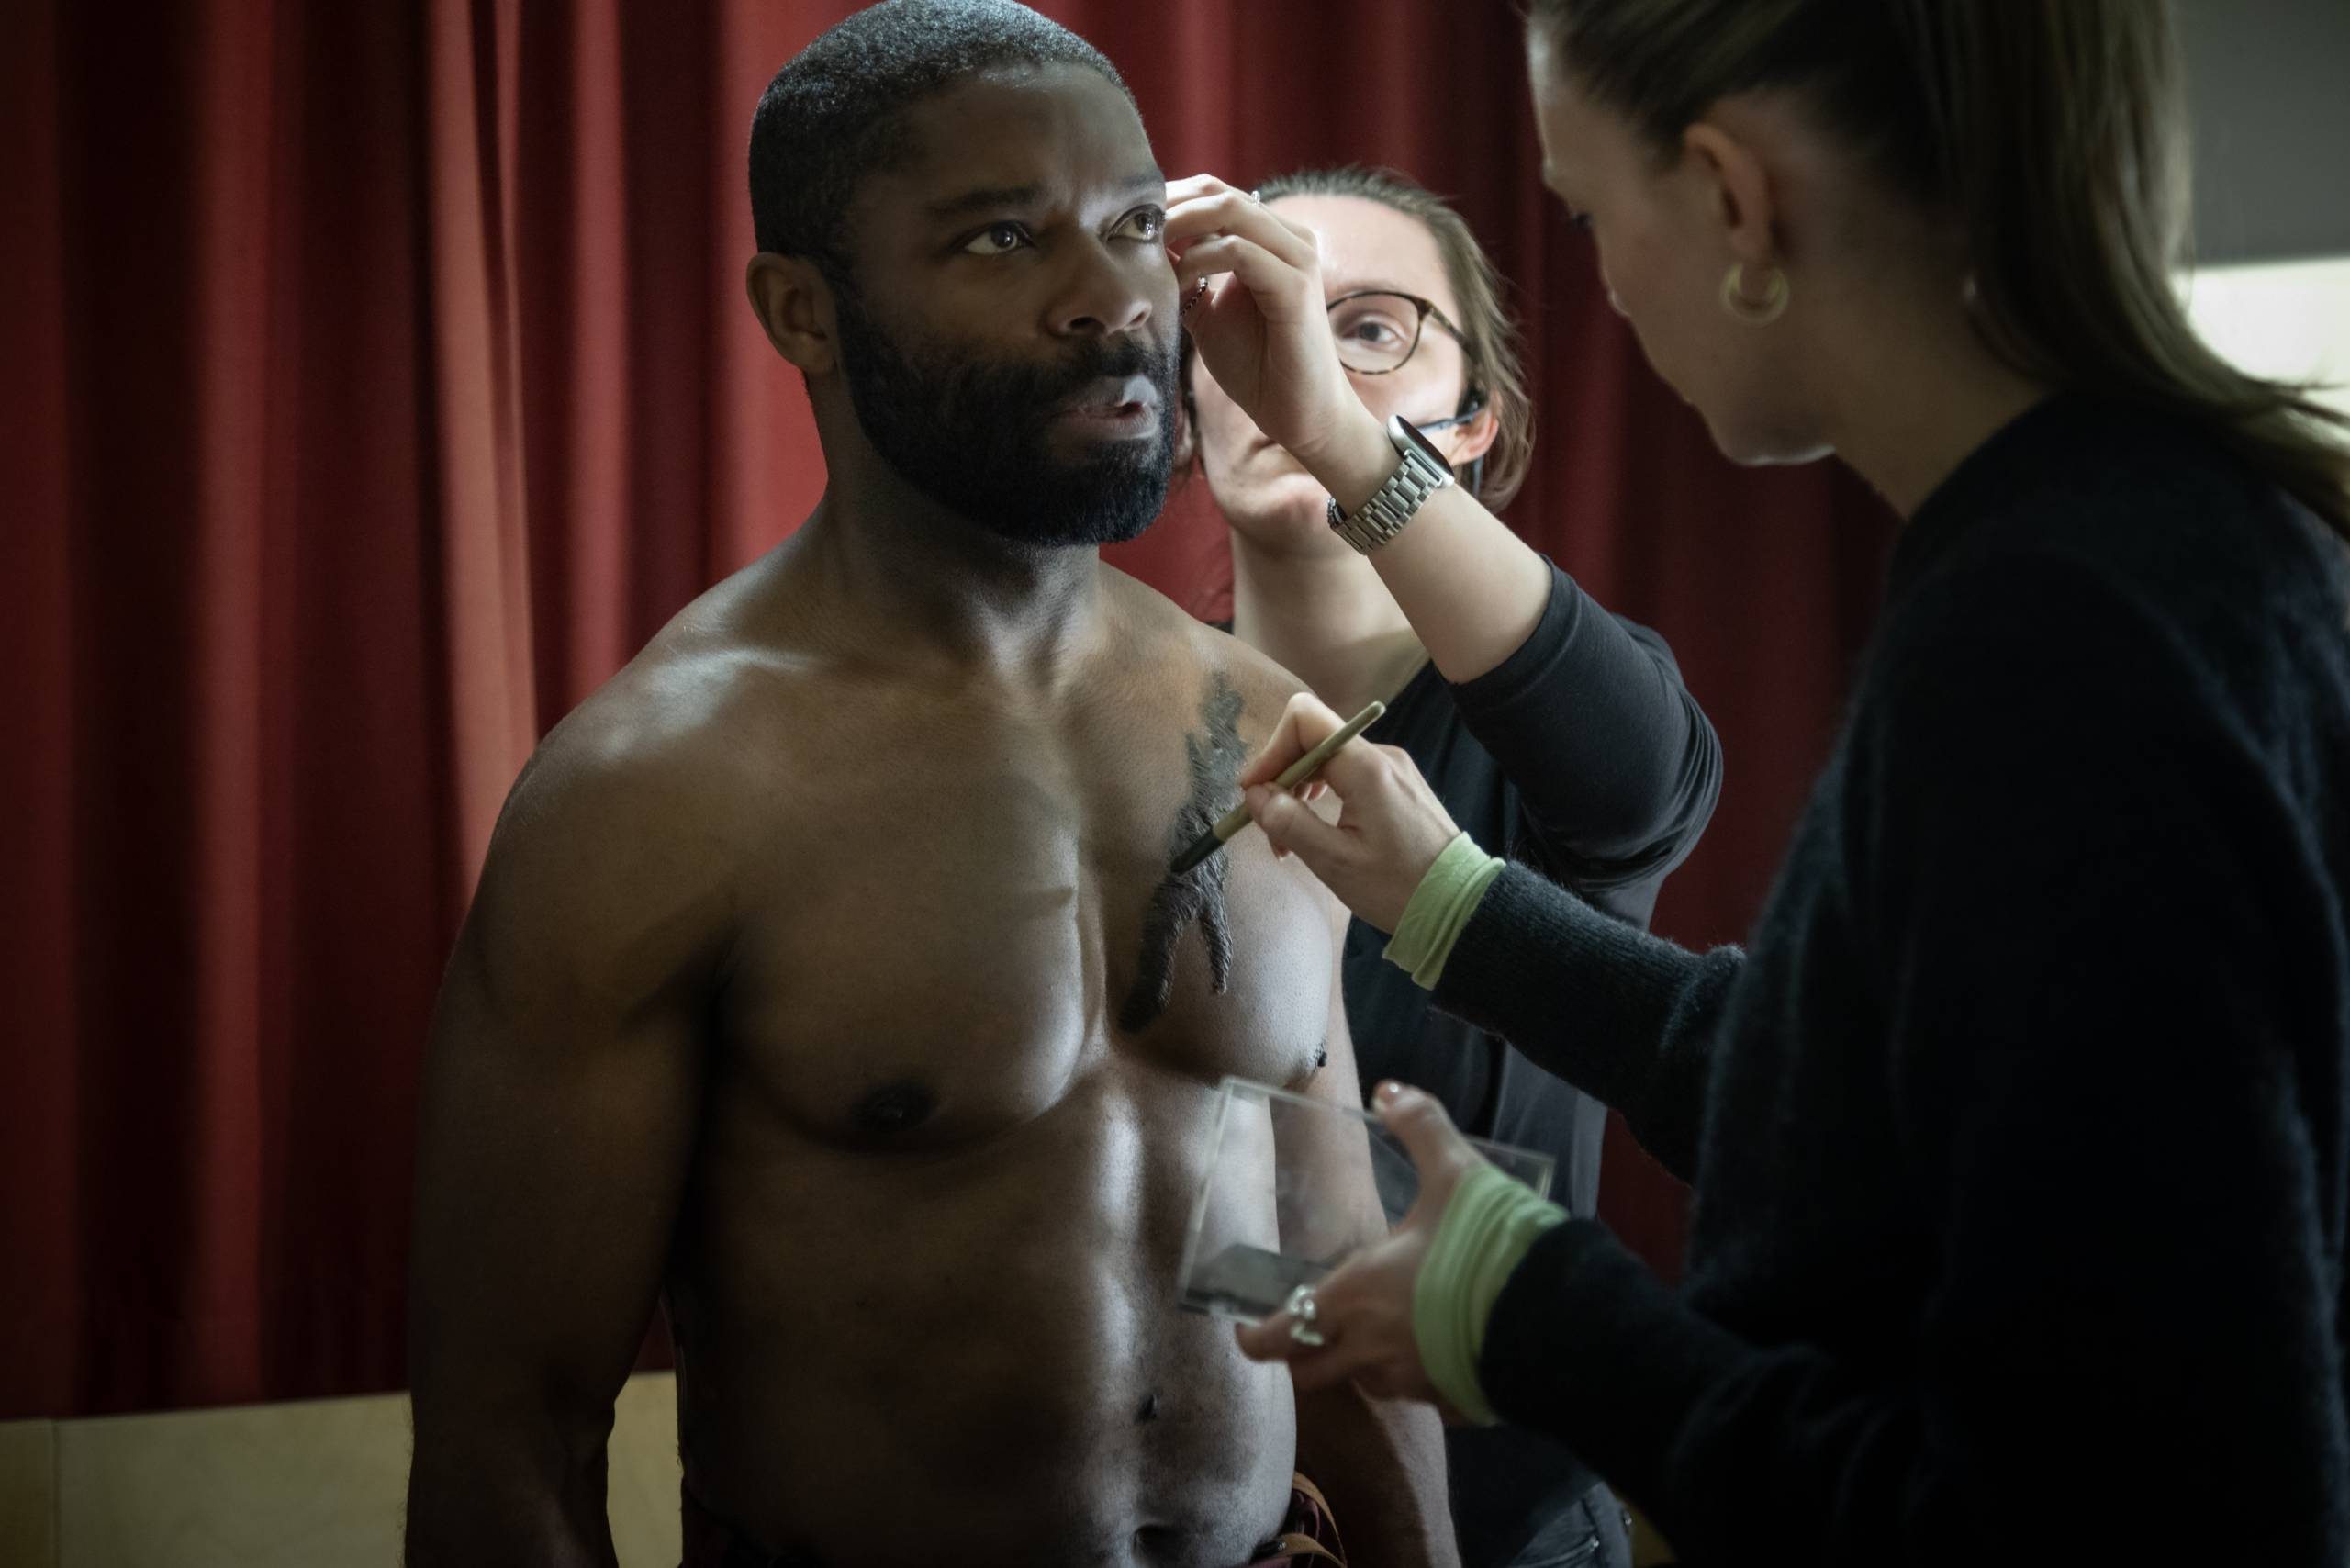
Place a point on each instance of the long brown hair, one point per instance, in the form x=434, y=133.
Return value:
x=2053, y=130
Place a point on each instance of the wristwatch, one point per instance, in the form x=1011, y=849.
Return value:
x=1422, y=474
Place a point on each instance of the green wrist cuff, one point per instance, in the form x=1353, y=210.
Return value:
x=1488, y=1226
x=1441, y=908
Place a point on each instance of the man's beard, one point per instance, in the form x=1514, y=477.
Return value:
x=975, y=436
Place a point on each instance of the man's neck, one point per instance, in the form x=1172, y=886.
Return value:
x=1327, y=619
x=904, y=567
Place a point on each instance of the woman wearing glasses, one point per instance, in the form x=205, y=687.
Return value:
x=1542, y=722
x=2021, y=1131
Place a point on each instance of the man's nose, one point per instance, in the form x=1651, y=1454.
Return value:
x=1102, y=294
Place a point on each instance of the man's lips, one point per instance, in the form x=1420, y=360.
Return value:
x=1114, y=398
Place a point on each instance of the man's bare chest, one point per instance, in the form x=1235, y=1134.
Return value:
x=981, y=920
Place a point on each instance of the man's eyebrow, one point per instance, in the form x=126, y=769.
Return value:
x=990, y=198
x=998, y=198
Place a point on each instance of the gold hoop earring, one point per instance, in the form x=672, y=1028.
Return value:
x=1754, y=312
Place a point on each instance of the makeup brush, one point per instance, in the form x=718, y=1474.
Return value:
x=1296, y=773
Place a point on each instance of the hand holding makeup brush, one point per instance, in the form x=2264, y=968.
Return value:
x=1391, y=831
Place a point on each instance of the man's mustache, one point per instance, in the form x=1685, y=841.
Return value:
x=1102, y=362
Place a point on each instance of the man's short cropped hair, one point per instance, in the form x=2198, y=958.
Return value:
x=835, y=113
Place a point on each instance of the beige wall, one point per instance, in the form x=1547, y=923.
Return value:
x=278, y=1486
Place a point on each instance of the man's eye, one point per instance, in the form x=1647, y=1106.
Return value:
x=1146, y=225
x=998, y=239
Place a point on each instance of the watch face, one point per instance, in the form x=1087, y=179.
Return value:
x=1401, y=430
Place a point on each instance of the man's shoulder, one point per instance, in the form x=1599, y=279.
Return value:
x=614, y=863
x=673, y=719
x=661, y=768
x=1159, y=632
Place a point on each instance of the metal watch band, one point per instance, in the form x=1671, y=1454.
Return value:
x=1420, y=475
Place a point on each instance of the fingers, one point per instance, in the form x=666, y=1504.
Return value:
x=1361, y=770
x=1304, y=723
x=1292, y=827
x=1318, y=1369
x=1266, y=1341
x=1419, y=1122
x=1193, y=187
x=1271, y=1340
x=1238, y=214
x=1364, y=1311
x=1310, y=1366
x=1196, y=186
x=1212, y=258
x=1281, y=289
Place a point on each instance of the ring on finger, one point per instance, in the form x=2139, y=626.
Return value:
x=1301, y=1309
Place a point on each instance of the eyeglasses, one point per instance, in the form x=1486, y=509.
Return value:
x=1378, y=332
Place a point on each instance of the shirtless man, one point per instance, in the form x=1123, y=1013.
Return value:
x=825, y=982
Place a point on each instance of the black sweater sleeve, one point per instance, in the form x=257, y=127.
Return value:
x=1623, y=1016
x=1616, y=762
x=2108, y=990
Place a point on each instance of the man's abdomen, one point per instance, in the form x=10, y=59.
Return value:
x=972, y=1353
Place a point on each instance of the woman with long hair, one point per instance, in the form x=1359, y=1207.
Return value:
x=2018, y=1130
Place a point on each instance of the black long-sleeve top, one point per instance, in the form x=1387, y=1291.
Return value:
x=2019, y=1131
x=1585, y=756
x=1584, y=753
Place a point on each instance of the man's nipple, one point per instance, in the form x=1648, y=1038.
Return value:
x=895, y=1108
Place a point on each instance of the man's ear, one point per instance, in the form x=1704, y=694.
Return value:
x=1739, y=187
x=794, y=304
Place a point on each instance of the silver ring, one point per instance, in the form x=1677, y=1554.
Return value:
x=1301, y=1308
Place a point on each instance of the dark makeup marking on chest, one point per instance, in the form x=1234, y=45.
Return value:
x=1215, y=756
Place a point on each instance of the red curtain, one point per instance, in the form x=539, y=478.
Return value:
x=374, y=379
